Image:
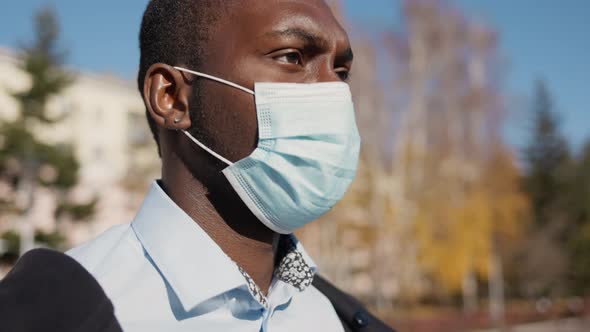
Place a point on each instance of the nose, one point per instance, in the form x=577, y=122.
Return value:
x=326, y=71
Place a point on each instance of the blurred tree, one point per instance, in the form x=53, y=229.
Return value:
x=579, y=230
x=457, y=198
x=579, y=247
x=547, y=159
x=580, y=187
x=437, y=197
x=548, y=168
x=27, y=162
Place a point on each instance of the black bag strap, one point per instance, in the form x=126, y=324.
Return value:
x=353, y=315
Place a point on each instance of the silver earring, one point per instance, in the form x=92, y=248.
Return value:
x=177, y=120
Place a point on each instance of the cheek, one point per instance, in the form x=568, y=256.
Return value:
x=230, y=123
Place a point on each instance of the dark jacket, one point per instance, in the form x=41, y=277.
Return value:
x=49, y=291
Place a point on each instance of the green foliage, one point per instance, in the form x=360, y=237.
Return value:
x=21, y=147
x=42, y=61
x=580, y=187
x=12, y=242
x=579, y=230
x=77, y=211
x=580, y=268
x=53, y=240
x=24, y=157
x=557, y=253
x=62, y=159
x=544, y=260
x=547, y=160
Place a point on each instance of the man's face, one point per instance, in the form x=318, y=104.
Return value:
x=297, y=41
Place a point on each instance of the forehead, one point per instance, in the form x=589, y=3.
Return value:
x=255, y=18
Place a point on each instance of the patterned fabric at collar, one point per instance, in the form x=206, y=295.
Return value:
x=292, y=268
x=254, y=289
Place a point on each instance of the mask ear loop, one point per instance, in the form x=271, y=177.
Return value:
x=220, y=80
x=213, y=153
x=234, y=85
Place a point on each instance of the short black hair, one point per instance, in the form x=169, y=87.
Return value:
x=173, y=32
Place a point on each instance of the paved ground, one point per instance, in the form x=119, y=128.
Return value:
x=565, y=325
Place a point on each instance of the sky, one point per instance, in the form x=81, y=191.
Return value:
x=545, y=39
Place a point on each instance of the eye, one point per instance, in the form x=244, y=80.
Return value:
x=291, y=57
x=343, y=74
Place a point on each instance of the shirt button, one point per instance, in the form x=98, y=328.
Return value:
x=361, y=319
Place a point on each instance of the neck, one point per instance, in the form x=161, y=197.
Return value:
x=224, y=217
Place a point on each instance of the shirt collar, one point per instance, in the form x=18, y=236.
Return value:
x=193, y=264
x=295, y=268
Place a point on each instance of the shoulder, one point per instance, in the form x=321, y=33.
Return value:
x=55, y=290
x=318, y=311
x=118, y=242
x=320, y=299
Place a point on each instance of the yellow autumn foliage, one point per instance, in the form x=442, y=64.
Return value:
x=456, y=236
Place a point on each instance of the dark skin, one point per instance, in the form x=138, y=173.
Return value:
x=297, y=41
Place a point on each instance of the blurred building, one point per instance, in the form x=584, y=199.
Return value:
x=104, y=120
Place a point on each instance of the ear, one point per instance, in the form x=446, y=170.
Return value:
x=166, y=95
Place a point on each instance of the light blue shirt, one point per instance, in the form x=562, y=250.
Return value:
x=164, y=273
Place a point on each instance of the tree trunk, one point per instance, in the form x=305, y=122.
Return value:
x=26, y=226
x=469, y=292
x=496, y=286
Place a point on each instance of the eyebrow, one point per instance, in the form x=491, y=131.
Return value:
x=311, y=39
x=308, y=37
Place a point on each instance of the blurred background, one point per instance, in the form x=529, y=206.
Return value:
x=471, y=209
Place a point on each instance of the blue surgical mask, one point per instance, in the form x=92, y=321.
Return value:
x=307, y=153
